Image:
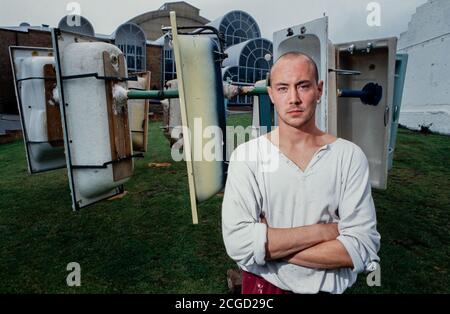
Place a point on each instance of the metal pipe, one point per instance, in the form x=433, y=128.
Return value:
x=371, y=94
x=350, y=93
x=173, y=93
x=152, y=94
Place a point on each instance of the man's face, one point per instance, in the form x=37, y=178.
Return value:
x=294, y=91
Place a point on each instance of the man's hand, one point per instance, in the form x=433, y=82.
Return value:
x=326, y=255
x=282, y=242
x=329, y=231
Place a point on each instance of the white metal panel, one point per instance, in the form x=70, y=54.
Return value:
x=310, y=38
x=85, y=117
x=202, y=101
x=28, y=72
x=368, y=126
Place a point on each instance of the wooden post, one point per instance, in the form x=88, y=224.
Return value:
x=119, y=129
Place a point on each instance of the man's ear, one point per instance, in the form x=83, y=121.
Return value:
x=270, y=91
x=320, y=88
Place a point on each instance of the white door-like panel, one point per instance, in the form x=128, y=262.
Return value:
x=97, y=136
x=202, y=113
x=35, y=82
x=368, y=126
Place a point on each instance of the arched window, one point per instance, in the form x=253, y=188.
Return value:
x=230, y=74
x=247, y=63
x=237, y=26
x=169, y=69
x=256, y=58
x=130, y=38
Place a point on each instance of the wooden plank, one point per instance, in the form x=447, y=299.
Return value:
x=119, y=129
x=54, y=127
x=184, y=118
x=146, y=110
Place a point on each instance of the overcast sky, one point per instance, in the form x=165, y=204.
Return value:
x=347, y=18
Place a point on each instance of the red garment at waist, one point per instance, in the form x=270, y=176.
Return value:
x=253, y=284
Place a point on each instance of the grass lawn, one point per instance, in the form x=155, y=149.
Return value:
x=146, y=243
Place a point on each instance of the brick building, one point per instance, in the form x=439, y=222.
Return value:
x=40, y=36
x=151, y=22
x=16, y=36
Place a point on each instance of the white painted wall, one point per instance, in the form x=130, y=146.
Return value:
x=426, y=95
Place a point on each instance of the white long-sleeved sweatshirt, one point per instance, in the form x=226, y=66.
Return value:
x=334, y=187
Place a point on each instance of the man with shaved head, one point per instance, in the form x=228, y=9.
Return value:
x=298, y=214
